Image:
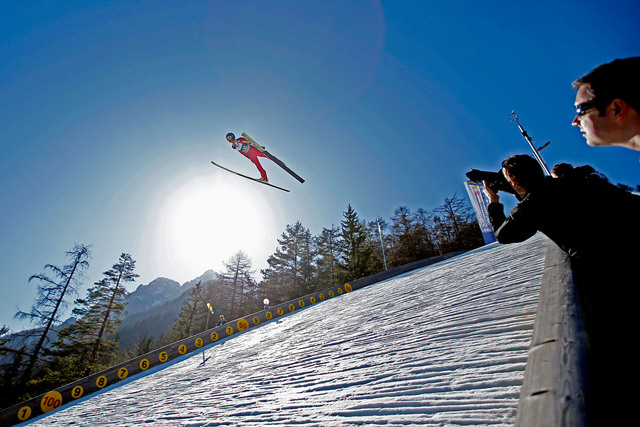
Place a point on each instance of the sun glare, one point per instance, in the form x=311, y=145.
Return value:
x=206, y=222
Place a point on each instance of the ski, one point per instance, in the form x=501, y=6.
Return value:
x=272, y=157
x=252, y=179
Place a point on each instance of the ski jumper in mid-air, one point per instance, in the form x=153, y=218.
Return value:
x=245, y=148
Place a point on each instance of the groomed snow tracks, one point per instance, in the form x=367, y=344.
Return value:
x=160, y=358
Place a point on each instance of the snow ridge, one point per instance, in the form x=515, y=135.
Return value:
x=445, y=345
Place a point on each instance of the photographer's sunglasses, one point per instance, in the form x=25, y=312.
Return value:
x=581, y=109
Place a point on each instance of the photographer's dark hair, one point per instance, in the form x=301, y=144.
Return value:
x=562, y=170
x=525, y=170
x=617, y=79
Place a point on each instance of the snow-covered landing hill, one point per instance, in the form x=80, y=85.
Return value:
x=445, y=345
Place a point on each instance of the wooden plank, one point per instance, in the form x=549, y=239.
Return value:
x=553, y=391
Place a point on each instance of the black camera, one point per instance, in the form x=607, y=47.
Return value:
x=496, y=180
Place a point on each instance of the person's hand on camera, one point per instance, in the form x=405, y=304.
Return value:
x=492, y=195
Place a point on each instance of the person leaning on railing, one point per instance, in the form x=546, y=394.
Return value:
x=596, y=223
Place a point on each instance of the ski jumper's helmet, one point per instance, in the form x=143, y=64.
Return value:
x=231, y=135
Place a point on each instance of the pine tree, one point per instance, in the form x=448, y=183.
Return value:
x=7, y=374
x=215, y=294
x=238, y=283
x=291, y=269
x=90, y=342
x=273, y=285
x=51, y=299
x=411, y=236
x=354, y=252
x=138, y=347
x=10, y=391
x=404, y=243
x=192, y=316
x=327, y=246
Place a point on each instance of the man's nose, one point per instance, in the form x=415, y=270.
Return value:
x=576, y=121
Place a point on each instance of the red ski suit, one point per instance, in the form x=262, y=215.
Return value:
x=245, y=148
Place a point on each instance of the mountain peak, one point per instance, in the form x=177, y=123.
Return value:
x=157, y=292
x=205, y=277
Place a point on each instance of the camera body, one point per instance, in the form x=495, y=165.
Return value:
x=496, y=180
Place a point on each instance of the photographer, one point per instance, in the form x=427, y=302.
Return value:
x=581, y=212
x=595, y=223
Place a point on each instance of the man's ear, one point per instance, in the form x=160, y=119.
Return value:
x=507, y=177
x=620, y=108
x=519, y=189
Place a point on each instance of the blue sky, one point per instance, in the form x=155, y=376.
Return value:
x=112, y=111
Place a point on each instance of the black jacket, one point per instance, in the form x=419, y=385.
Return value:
x=588, y=218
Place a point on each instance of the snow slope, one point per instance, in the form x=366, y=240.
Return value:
x=445, y=345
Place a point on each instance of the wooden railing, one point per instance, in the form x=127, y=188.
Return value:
x=553, y=393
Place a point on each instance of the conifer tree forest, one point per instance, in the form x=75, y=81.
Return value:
x=57, y=351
